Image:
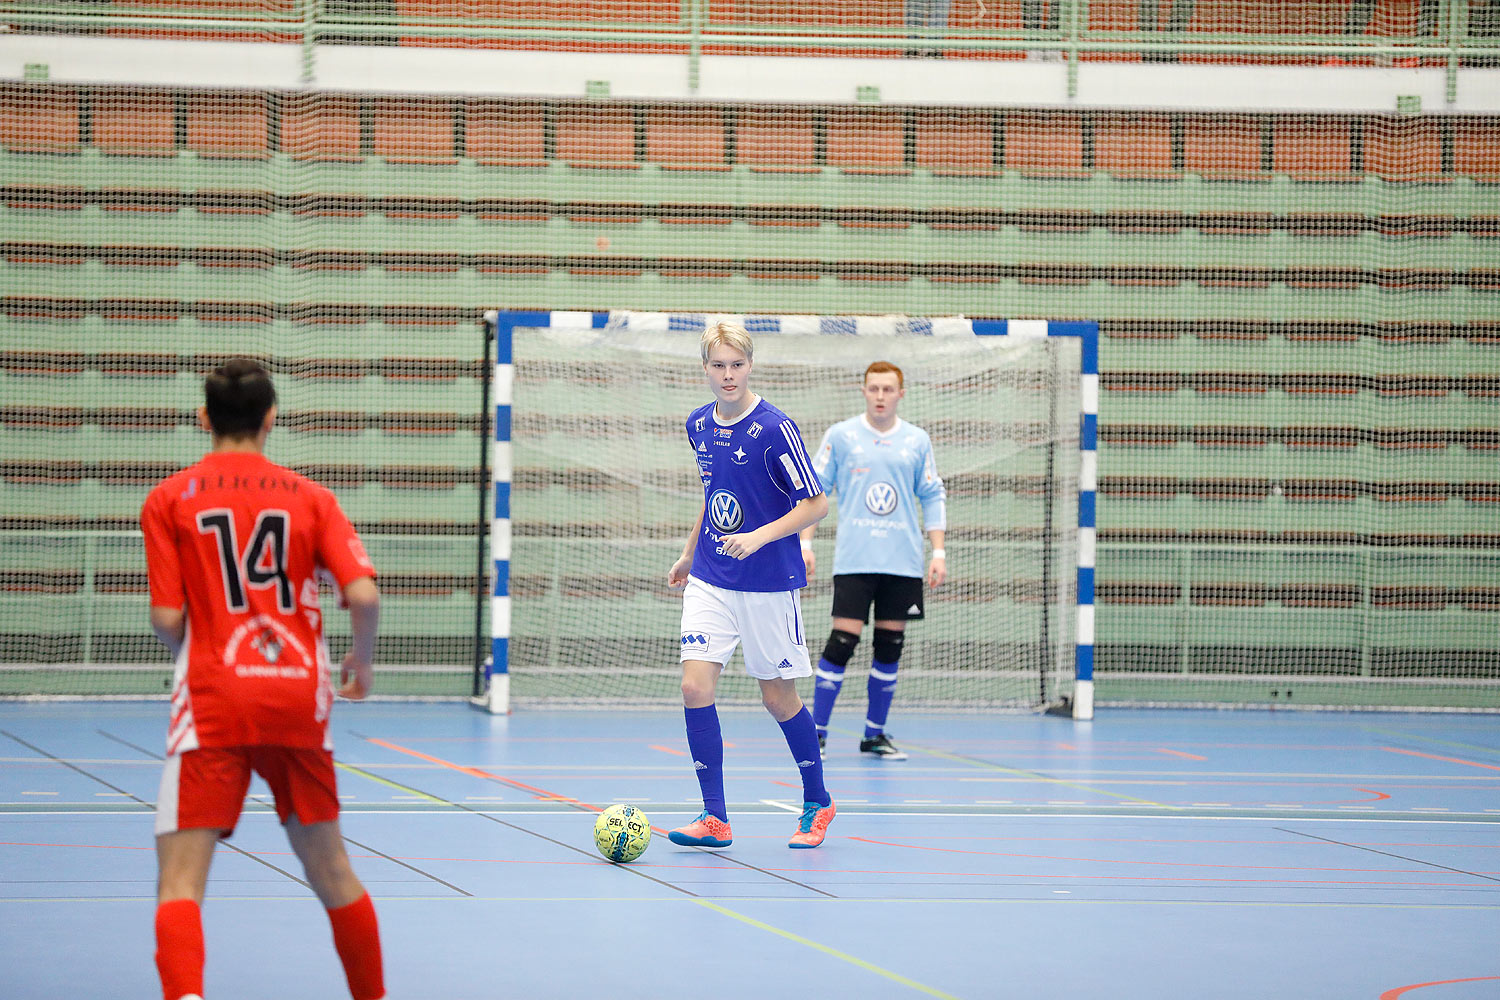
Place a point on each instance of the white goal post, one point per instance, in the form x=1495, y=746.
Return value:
x=593, y=619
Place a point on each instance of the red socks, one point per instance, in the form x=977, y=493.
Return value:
x=179, y=948
x=356, y=935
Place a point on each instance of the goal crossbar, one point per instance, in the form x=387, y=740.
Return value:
x=492, y=671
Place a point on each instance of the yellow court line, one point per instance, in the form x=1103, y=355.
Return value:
x=1032, y=776
x=389, y=784
x=834, y=952
x=1429, y=739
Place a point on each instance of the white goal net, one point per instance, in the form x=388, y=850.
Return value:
x=604, y=491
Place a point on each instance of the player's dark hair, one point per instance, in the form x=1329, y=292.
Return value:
x=885, y=366
x=238, y=395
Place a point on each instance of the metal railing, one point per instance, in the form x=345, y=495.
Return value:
x=1444, y=32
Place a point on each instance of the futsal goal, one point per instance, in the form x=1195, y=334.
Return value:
x=594, y=494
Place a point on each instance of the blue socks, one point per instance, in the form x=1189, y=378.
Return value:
x=828, y=681
x=802, y=740
x=882, y=688
x=706, y=744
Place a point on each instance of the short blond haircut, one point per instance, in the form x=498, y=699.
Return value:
x=730, y=335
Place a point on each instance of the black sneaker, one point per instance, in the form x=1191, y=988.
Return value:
x=823, y=745
x=882, y=747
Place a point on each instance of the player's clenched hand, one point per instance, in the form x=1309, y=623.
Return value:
x=677, y=576
x=357, y=677
x=937, y=571
x=741, y=546
x=809, y=562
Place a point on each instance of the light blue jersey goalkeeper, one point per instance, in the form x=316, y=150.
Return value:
x=879, y=480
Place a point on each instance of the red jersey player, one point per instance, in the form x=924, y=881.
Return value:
x=234, y=546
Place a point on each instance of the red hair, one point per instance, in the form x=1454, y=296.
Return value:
x=881, y=367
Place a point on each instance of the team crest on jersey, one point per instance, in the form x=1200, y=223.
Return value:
x=698, y=424
x=258, y=646
x=881, y=499
x=738, y=456
x=725, y=511
x=754, y=430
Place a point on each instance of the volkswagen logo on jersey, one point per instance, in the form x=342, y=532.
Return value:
x=725, y=511
x=881, y=499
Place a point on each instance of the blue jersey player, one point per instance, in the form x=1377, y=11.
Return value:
x=741, y=571
x=881, y=469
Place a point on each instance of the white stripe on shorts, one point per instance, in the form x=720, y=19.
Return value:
x=167, y=795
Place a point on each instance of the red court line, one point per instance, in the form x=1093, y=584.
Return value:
x=679, y=753
x=909, y=873
x=479, y=772
x=1450, y=760
x=1399, y=990
x=96, y=847
x=1180, y=753
x=1144, y=864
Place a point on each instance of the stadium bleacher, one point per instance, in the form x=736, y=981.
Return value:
x=1268, y=287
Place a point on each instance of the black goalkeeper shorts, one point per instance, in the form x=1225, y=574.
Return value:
x=896, y=598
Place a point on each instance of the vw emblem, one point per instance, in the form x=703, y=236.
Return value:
x=725, y=511
x=881, y=498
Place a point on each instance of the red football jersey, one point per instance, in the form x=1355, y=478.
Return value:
x=240, y=541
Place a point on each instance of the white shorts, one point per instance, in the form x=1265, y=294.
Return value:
x=715, y=621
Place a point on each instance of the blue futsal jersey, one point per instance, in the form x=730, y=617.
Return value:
x=879, y=479
x=754, y=470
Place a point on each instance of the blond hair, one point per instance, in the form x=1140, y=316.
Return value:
x=729, y=335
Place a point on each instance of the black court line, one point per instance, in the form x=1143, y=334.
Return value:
x=149, y=805
x=410, y=867
x=126, y=743
x=1388, y=854
x=260, y=799
x=519, y=829
x=74, y=767
x=579, y=807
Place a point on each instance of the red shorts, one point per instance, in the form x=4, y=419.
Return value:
x=205, y=788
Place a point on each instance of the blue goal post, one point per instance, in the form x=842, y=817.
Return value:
x=492, y=671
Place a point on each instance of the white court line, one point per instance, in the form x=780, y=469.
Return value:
x=1425, y=819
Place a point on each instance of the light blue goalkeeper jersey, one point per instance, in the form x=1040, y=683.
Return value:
x=879, y=480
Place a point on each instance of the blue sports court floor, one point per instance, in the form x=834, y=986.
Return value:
x=1178, y=854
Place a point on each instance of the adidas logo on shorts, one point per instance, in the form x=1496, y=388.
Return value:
x=914, y=610
x=784, y=665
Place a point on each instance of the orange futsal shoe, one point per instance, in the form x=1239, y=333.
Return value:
x=707, y=830
x=813, y=825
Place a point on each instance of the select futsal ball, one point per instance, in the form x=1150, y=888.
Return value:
x=622, y=832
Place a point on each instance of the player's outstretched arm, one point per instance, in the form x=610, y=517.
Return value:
x=677, y=576
x=170, y=626
x=937, y=569
x=357, y=676
x=808, y=511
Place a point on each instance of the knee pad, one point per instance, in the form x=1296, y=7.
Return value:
x=887, y=645
x=840, y=647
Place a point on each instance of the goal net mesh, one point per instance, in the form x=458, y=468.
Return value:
x=606, y=491
x=1298, y=308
